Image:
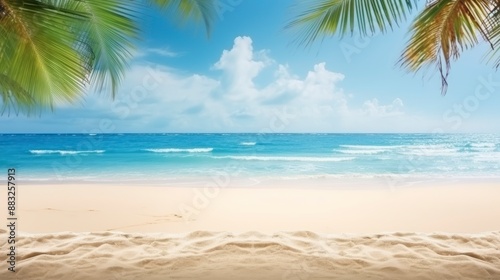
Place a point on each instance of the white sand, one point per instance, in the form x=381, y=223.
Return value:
x=297, y=255
x=275, y=233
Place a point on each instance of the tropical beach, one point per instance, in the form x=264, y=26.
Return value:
x=288, y=141
x=247, y=206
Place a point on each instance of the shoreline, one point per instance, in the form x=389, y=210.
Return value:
x=227, y=180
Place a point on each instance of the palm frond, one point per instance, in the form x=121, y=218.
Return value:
x=52, y=50
x=329, y=17
x=198, y=10
x=106, y=39
x=492, y=25
x=442, y=31
x=55, y=48
x=38, y=54
x=14, y=97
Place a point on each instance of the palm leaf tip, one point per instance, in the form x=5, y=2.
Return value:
x=197, y=10
x=110, y=32
x=492, y=24
x=317, y=18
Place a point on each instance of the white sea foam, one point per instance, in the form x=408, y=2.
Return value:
x=284, y=158
x=483, y=145
x=248, y=143
x=491, y=157
x=370, y=147
x=65, y=152
x=364, y=149
x=176, y=150
x=430, y=150
x=361, y=152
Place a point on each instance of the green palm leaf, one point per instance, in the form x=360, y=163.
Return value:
x=442, y=31
x=106, y=38
x=38, y=54
x=53, y=50
x=329, y=17
x=16, y=97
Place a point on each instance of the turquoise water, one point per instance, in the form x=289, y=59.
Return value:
x=143, y=157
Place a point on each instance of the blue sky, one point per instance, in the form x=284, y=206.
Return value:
x=248, y=76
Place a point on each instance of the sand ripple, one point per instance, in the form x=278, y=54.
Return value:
x=252, y=255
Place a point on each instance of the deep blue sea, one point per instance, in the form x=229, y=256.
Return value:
x=147, y=157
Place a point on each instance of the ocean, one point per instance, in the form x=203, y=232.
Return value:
x=176, y=157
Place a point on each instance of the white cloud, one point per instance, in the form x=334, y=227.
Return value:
x=165, y=52
x=240, y=66
x=373, y=108
x=158, y=98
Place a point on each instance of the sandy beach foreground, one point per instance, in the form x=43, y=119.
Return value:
x=446, y=231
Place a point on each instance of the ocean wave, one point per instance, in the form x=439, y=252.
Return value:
x=65, y=152
x=429, y=146
x=284, y=158
x=483, y=145
x=370, y=147
x=361, y=152
x=365, y=149
x=430, y=150
x=248, y=143
x=176, y=150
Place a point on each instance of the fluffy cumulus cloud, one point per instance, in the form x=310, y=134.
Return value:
x=157, y=98
x=373, y=108
x=240, y=68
